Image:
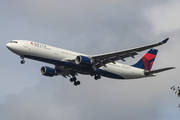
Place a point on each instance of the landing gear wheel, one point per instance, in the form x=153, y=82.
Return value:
x=72, y=79
x=77, y=83
x=22, y=62
x=92, y=74
x=98, y=76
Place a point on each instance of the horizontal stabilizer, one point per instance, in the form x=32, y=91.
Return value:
x=157, y=71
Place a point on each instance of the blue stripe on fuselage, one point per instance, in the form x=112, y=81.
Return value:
x=74, y=66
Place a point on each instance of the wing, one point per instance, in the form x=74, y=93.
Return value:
x=103, y=59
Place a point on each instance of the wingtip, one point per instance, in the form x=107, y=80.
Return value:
x=164, y=41
x=173, y=67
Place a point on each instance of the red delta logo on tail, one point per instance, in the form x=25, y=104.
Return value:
x=146, y=62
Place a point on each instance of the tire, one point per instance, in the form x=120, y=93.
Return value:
x=78, y=82
x=75, y=83
x=22, y=62
x=71, y=80
x=95, y=77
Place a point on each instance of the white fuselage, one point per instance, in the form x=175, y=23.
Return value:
x=57, y=56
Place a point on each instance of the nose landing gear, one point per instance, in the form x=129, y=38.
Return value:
x=22, y=61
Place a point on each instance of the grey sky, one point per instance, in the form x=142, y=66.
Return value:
x=90, y=27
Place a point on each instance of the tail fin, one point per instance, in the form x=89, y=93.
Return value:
x=146, y=62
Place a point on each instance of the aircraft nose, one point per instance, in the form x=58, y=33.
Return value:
x=8, y=45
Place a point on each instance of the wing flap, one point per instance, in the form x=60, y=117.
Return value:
x=115, y=58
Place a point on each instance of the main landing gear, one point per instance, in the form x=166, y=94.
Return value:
x=22, y=61
x=75, y=82
x=96, y=76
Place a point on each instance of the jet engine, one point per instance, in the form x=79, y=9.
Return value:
x=83, y=60
x=47, y=71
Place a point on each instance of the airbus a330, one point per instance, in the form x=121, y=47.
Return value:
x=70, y=64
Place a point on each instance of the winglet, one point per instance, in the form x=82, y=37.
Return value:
x=164, y=41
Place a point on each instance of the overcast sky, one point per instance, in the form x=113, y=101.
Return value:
x=90, y=27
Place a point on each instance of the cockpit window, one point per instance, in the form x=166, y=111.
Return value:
x=14, y=42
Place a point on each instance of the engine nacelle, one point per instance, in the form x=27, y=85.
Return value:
x=82, y=60
x=47, y=71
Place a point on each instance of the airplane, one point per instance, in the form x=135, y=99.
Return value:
x=70, y=64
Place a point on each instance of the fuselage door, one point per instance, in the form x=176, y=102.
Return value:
x=133, y=70
x=25, y=44
x=56, y=51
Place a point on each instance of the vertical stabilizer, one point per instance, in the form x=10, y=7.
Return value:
x=146, y=62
